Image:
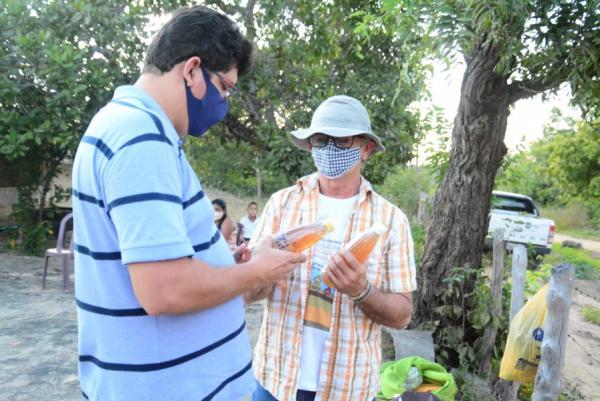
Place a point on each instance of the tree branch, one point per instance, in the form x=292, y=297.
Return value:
x=229, y=9
x=249, y=19
x=241, y=132
x=530, y=87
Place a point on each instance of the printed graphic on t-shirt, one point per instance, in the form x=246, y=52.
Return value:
x=320, y=297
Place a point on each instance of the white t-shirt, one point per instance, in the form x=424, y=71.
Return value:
x=249, y=226
x=320, y=298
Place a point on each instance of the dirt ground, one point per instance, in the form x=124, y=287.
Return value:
x=588, y=244
x=38, y=333
x=582, y=361
x=38, y=336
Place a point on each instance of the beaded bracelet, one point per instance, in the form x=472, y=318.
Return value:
x=361, y=297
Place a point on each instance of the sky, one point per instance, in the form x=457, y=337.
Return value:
x=525, y=122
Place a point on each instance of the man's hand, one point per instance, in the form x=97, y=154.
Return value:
x=241, y=254
x=346, y=274
x=272, y=264
x=258, y=293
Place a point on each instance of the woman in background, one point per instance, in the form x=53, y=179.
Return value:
x=223, y=222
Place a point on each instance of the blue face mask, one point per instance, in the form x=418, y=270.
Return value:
x=206, y=112
x=334, y=162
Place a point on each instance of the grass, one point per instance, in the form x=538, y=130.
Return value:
x=591, y=314
x=572, y=220
x=567, y=217
x=586, y=267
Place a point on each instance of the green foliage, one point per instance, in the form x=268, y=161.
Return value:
x=591, y=314
x=527, y=173
x=471, y=387
x=403, y=186
x=418, y=234
x=461, y=345
x=575, y=163
x=586, y=267
x=214, y=164
x=438, y=151
x=59, y=62
x=561, y=169
x=300, y=62
x=572, y=218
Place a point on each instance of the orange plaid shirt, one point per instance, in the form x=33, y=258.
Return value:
x=352, y=351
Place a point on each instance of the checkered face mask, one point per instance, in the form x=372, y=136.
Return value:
x=334, y=162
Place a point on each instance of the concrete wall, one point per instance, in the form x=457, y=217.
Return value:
x=8, y=197
x=9, y=194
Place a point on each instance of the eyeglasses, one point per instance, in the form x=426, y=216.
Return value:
x=321, y=140
x=231, y=89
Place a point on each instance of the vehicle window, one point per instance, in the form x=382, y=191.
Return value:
x=512, y=204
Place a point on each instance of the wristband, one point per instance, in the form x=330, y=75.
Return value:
x=363, y=294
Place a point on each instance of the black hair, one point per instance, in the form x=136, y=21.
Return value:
x=221, y=203
x=202, y=32
x=252, y=203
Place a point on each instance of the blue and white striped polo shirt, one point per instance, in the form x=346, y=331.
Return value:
x=136, y=199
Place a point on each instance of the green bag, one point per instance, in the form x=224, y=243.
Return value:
x=394, y=375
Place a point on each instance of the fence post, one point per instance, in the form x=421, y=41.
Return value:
x=491, y=330
x=424, y=210
x=258, y=184
x=548, y=378
x=507, y=390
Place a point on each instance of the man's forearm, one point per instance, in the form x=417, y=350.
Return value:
x=388, y=309
x=186, y=285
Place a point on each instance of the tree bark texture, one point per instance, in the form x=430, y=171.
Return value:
x=461, y=206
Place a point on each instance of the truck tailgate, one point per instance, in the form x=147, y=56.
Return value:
x=520, y=228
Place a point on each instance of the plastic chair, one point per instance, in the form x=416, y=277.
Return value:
x=65, y=253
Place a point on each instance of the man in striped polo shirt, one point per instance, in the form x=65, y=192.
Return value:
x=322, y=343
x=157, y=290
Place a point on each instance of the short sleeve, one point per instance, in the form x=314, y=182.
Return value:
x=142, y=187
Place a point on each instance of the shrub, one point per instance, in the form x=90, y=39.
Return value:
x=591, y=314
x=403, y=186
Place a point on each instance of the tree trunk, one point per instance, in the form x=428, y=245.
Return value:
x=461, y=206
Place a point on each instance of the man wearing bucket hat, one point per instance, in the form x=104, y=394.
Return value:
x=321, y=343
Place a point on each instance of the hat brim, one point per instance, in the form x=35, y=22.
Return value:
x=300, y=137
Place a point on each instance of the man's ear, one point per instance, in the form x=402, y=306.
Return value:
x=188, y=67
x=368, y=149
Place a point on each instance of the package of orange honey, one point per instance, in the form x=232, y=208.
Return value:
x=361, y=247
x=299, y=238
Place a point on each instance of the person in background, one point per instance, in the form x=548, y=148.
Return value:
x=249, y=221
x=222, y=220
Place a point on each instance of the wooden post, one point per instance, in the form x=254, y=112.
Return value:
x=519, y=267
x=507, y=390
x=424, y=210
x=258, y=184
x=489, y=334
x=548, y=378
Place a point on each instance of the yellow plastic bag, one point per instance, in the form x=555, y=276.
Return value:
x=522, y=354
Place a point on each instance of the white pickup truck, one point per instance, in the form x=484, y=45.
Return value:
x=520, y=218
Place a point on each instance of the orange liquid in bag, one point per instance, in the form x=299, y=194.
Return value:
x=303, y=237
x=361, y=247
